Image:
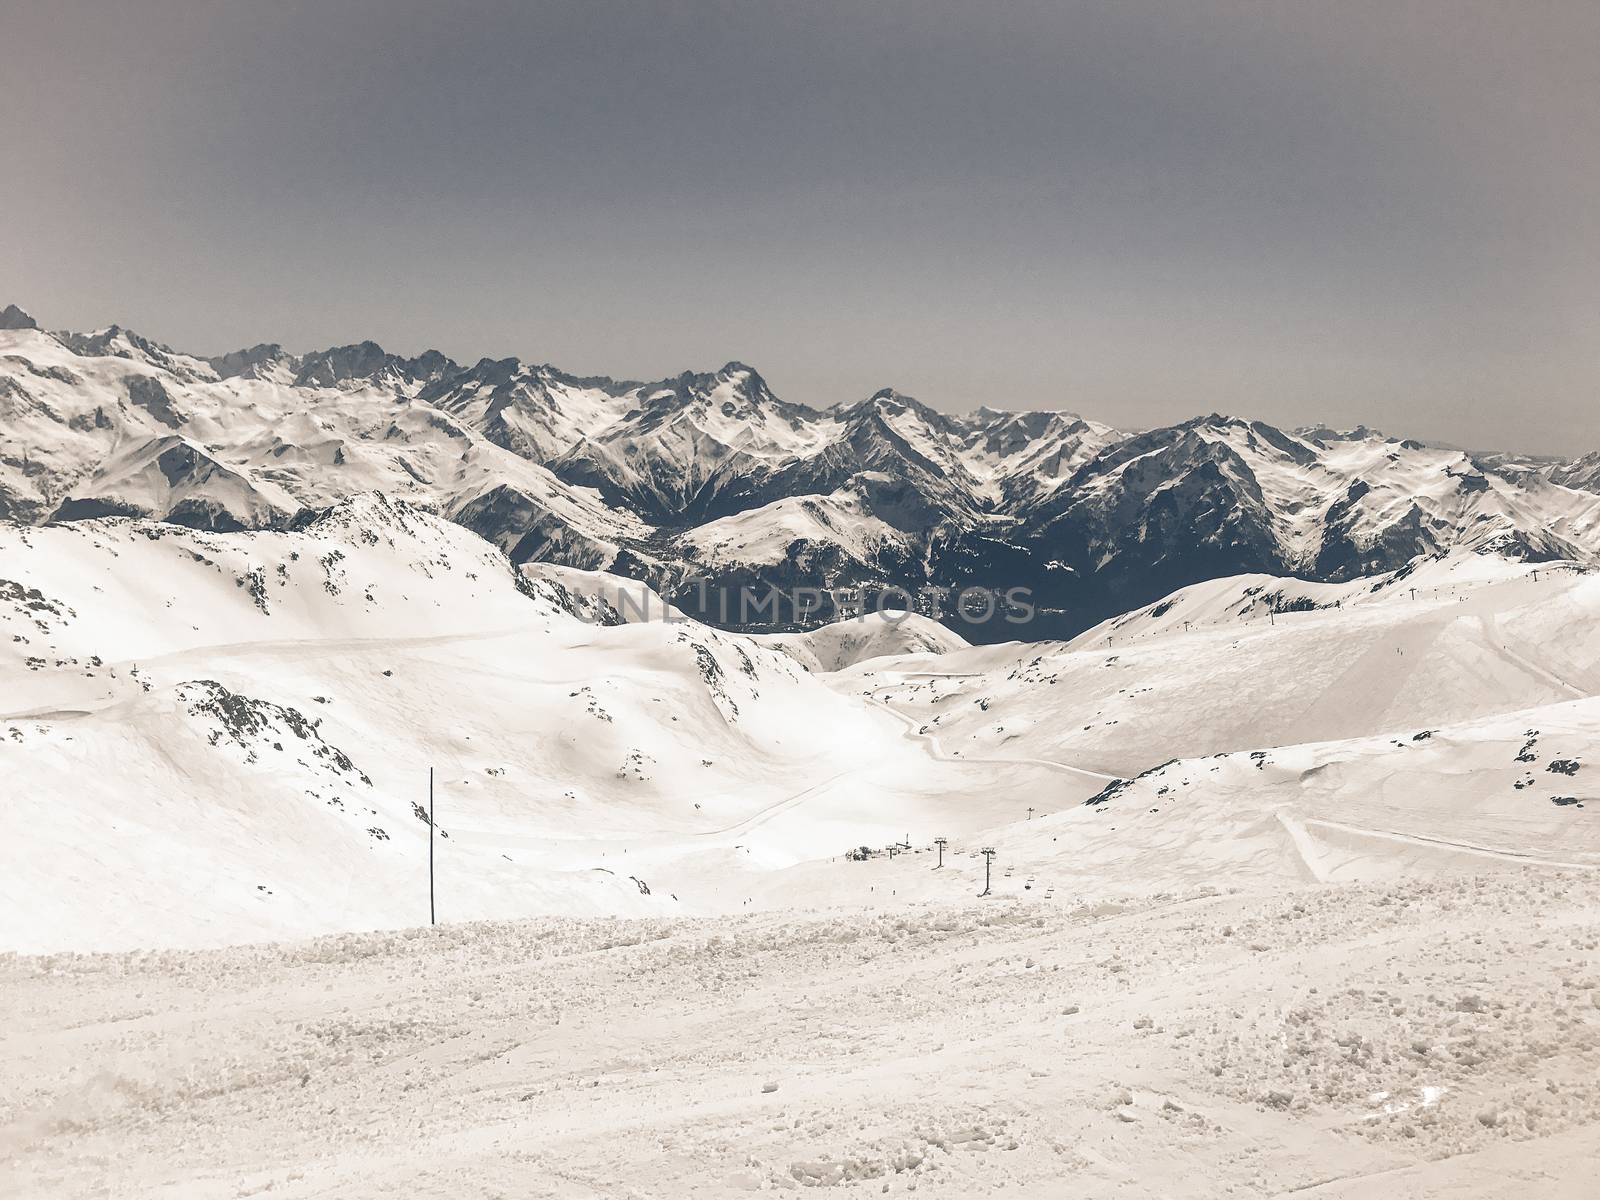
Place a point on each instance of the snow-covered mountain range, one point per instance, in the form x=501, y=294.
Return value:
x=713, y=477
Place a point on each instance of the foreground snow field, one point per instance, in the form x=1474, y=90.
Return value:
x=1419, y=1038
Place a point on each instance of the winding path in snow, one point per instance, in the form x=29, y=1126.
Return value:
x=1297, y=830
x=1494, y=638
x=915, y=731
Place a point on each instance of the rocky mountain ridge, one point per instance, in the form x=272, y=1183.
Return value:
x=712, y=477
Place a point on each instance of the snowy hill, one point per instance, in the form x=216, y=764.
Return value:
x=180, y=480
x=1311, y=865
x=221, y=736
x=268, y=703
x=842, y=644
x=1260, y=662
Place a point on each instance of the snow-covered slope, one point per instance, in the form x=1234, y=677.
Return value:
x=268, y=703
x=1276, y=862
x=215, y=737
x=1581, y=473
x=841, y=644
x=1372, y=953
x=1510, y=792
x=1425, y=1037
x=766, y=534
x=605, y=599
x=1514, y=788
x=181, y=481
x=1239, y=665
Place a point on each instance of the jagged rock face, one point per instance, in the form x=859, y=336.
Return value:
x=711, y=477
x=265, y=361
x=1157, y=512
x=894, y=436
x=147, y=392
x=368, y=362
x=1344, y=556
x=815, y=582
x=677, y=475
x=12, y=317
x=694, y=448
x=1132, y=525
x=1582, y=473
x=528, y=531
x=1156, y=533
x=515, y=406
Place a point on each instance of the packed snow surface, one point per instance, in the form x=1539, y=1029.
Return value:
x=1418, y=1038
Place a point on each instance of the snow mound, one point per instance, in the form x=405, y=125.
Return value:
x=843, y=644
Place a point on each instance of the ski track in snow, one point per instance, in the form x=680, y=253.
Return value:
x=1375, y=675
x=1516, y=856
x=914, y=731
x=1495, y=639
x=757, y=819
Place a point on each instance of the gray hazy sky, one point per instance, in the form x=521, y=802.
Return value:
x=1346, y=211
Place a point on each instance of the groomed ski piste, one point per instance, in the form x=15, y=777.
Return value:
x=1295, y=887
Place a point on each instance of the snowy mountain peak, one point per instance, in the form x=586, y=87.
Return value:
x=1325, y=434
x=113, y=341
x=265, y=361
x=13, y=317
x=734, y=383
x=1582, y=473
x=368, y=362
x=890, y=400
x=116, y=341
x=923, y=429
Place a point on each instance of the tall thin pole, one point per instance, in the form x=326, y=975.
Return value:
x=432, y=919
